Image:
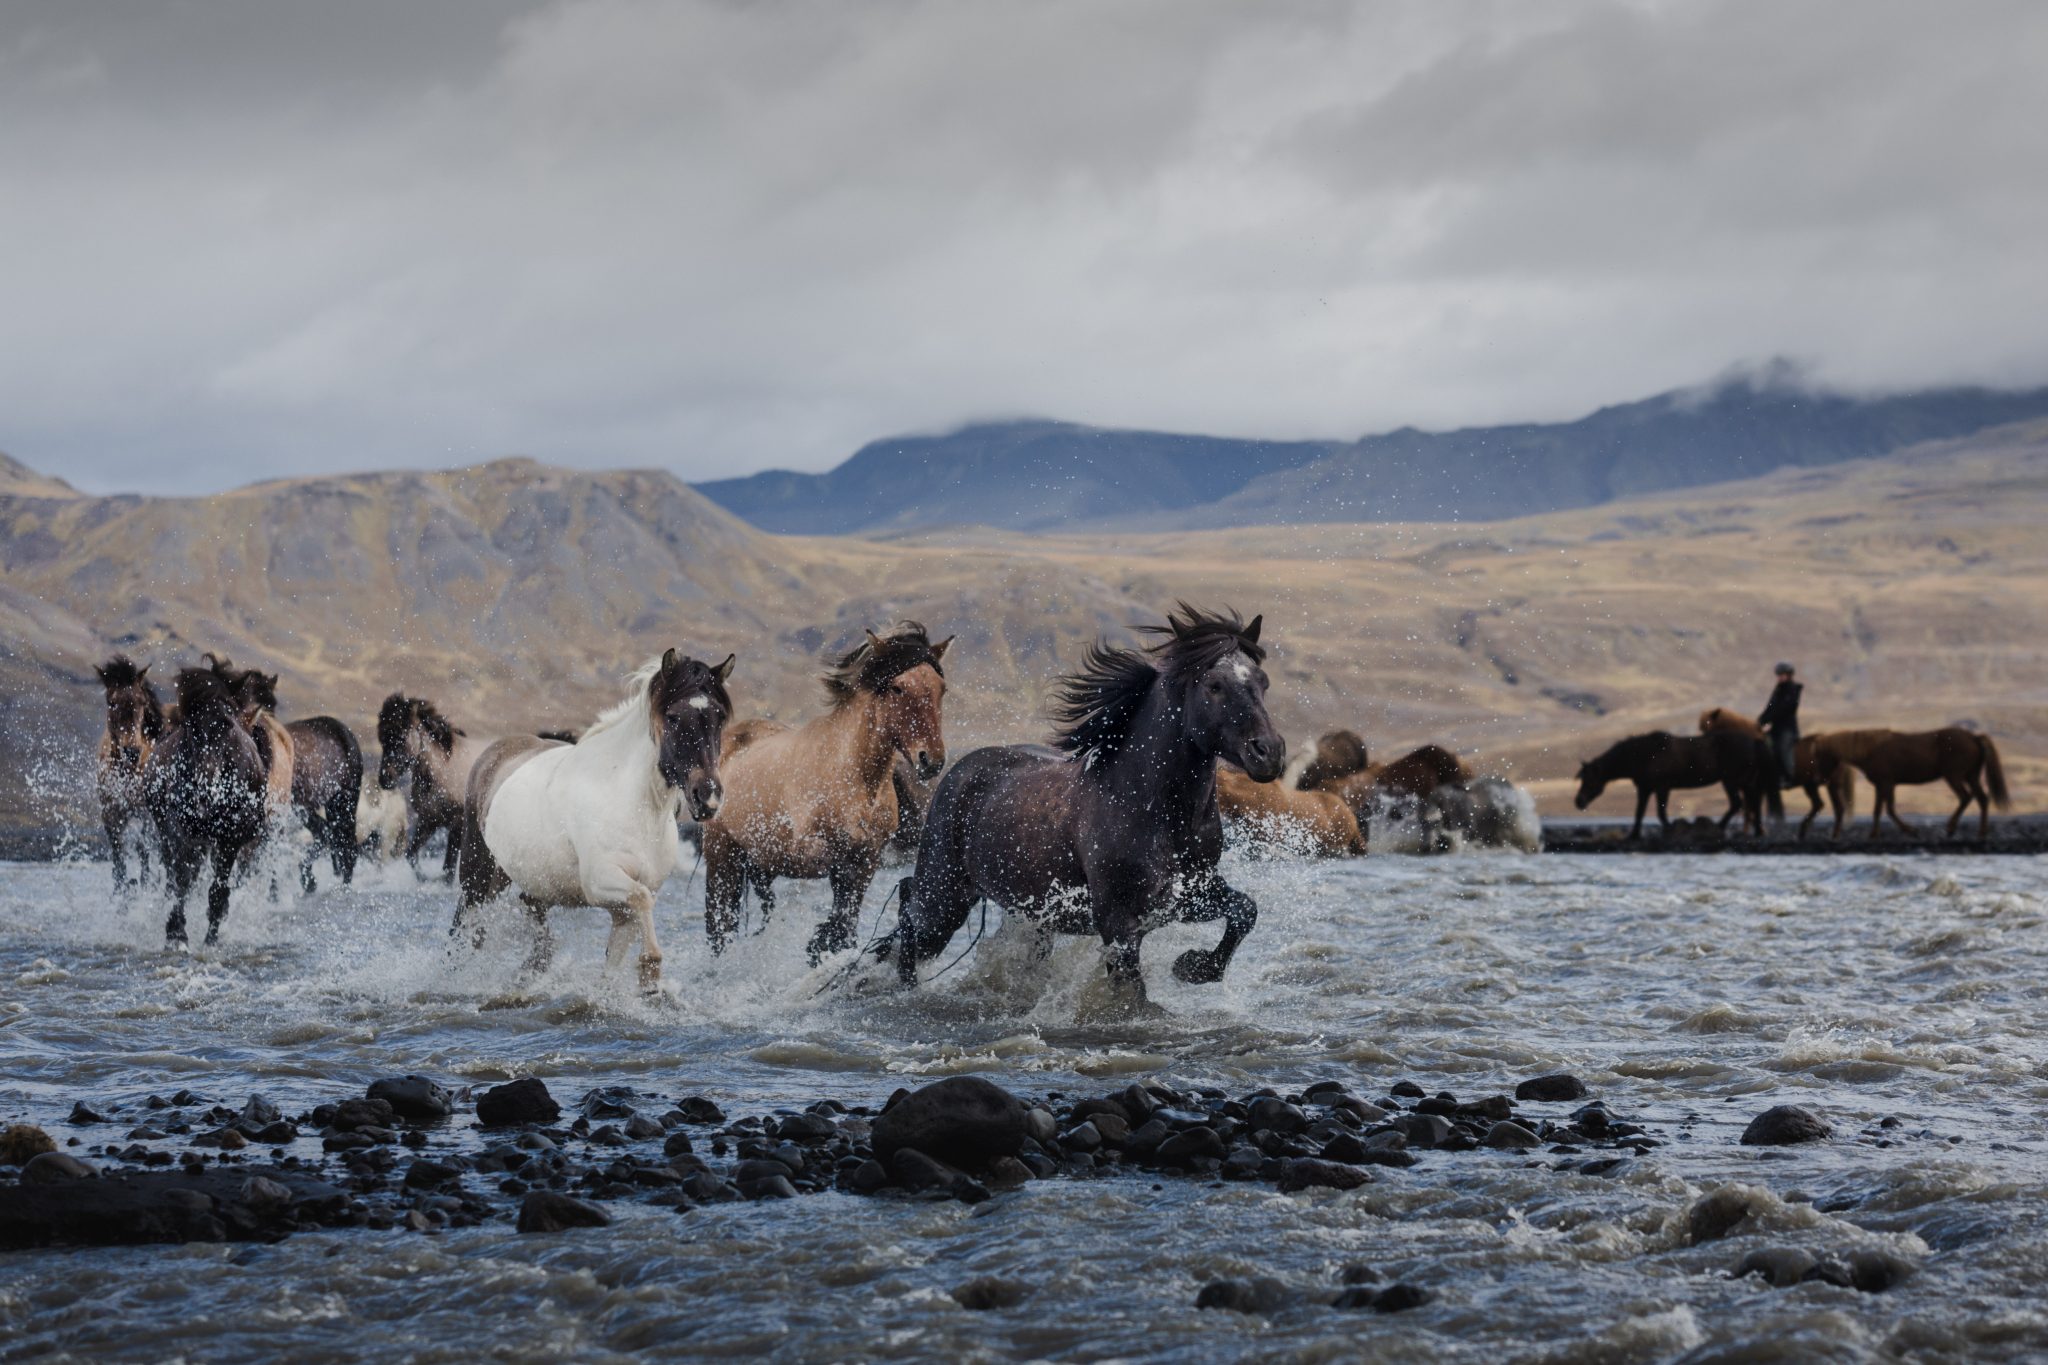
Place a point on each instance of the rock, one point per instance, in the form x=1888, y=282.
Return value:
x=1364, y=1111
x=677, y=1144
x=261, y=1192
x=697, y=1109
x=1407, y=1090
x=1552, y=1089
x=1114, y=1129
x=608, y=1102
x=984, y=1293
x=1715, y=1214
x=1399, y=1298
x=1307, y=1172
x=22, y=1141
x=1189, y=1145
x=1511, y=1136
x=197, y=1204
x=1261, y=1295
x=525, y=1100
x=1039, y=1125
x=1010, y=1171
x=1278, y=1115
x=83, y=1115
x=640, y=1128
x=1785, y=1124
x=868, y=1177
x=354, y=1115
x=1359, y=1273
x=964, y=1120
x=773, y=1187
x=54, y=1168
x=920, y=1173
x=414, y=1098
x=1082, y=1137
x=1145, y=1139
x=227, y=1139
x=1424, y=1130
x=427, y=1174
x=259, y=1112
x=1869, y=1271
x=547, y=1211
x=1493, y=1109
x=806, y=1128
x=1781, y=1267
x=707, y=1188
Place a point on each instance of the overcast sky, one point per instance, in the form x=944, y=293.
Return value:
x=242, y=238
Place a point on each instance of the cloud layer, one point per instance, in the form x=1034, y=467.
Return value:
x=246, y=239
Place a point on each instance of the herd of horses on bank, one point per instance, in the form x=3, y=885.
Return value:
x=1111, y=830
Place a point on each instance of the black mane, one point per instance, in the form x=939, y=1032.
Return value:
x=394, y=717
x=119, y=671
x=872, y=663
x=207, y=696
x=1096, y=704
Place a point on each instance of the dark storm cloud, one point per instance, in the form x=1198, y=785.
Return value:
x=248, y=238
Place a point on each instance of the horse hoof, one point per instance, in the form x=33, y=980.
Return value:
x=1197, y=967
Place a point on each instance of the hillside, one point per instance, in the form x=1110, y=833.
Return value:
x=1036, y=476
x=1911, y=590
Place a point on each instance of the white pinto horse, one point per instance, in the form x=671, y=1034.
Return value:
x=594, y=823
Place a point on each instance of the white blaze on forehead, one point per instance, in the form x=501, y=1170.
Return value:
x=1240, y=669
x=700, y=702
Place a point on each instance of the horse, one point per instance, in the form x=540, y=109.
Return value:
x=1721, y=718
x=431, y=759
x=135, y=722
x=1319, y=819
x=1660, y=763
x=204, y=787
x=1813, y=768
x=1114, y=830
x=820, y=800
x=380, y=822
x=1966, y=760
x=323, y=772
x=594, y=823
x=1338, y=755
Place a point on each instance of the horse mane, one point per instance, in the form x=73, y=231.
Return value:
x=119, y=671
x=1096, y=704
x=392, y=719
x=204, y=692
x=439, y=728
x=1624, y=750
x=871, y=664
x=641, y=680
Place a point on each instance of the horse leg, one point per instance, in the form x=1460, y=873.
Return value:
x=184, y=869
x=764, y=892
x=542, y=955
x=1215, y=899
x=317, y=827
x=934, y=906
x=1813, y=797
x=341, y=835
x=453, y=856
x=1121, y=925
x=116, y=826
x=849, y=887
x=1664, y=809
x=650, y=948
x=422, y=830
x=1642, y=804
x=724, y=883
x=1960, y=788
x=217, y=894
x=1892, y=802
x=1735, y=803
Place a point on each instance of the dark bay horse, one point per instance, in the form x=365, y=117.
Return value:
x=326, y=774
x=1814, y=767
x=429, y=759
x=1660, y=763
x=204, y=786
x=1116, y=830
x=1966, y=760
x=820, y=800
x=135, y=722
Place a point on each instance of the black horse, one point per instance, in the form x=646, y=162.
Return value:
x=204, y=786
x=1122, y=810
x=1660, y=763
x=327, y=776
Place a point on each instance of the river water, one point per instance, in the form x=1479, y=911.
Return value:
x=1690, y=993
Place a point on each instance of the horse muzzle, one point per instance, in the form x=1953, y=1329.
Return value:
x=928, y=764
x=1263, y=760
x=704, y=795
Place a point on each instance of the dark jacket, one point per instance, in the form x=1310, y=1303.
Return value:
x=1783, y=710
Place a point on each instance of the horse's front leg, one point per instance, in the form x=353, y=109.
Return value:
x=1120, y=919
x=637, y=912
x=453, y=856
x=116, y=827
x=1664, y=809
x=1642, y=804
x=184, y=870
x=217, y=894
x=1211, y=899
x=849, y=878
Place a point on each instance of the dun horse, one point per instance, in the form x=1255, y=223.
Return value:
x=1660, y=763
x=594, y=822
x=323, y=767
x=135, y=722
x=429, y=759
x=204, y=786
x=1117, y=829
x=1966, y=760
x=1814, y=768
x=1320, y=818
x=821, y=800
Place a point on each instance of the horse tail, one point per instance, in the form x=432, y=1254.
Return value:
x=1994, y=774
x=1842, y=782
x=1768, y=777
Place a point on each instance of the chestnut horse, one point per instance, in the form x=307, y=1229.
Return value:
x=820, y=800
x=1338, y=754
x=322, y=767
x=135, y=722
x=1964, y=759
x=428, y=758
x=1116, y=830
x=1660, y=763
x=1321, y=819
x=1813, y=768
x=203, y=785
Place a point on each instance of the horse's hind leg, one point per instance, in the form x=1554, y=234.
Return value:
x=849, y=887
x=542, y=955
x=1239, y=912
x=1892, y=804
x=184, y=870
x=1961, y=789
x=217, y=894
x=764, y=891
x=934, y=907
x=116, y=827
x=725, y=881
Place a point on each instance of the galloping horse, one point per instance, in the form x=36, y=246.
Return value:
x=820, y=800
x=323, y=768
x=1813, y=768
x=432, y=759
x=1319, y=817
x=203, y=784
x=594, y=822
x=135, y=721
x=1660, y=763
x=1122, y=812
x=1966, y=760
x=1338, y=754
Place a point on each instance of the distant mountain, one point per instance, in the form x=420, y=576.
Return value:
x=1036, y=476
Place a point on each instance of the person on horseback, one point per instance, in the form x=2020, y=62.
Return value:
x=1781, y=719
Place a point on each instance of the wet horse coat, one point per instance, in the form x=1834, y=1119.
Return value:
x=135, y=722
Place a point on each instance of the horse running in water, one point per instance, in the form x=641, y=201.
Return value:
x=594, y=823
x=204, y=786
x=821, y=800
x=1660, y=763
x=1966, y=760
x=1116, y=830
x=135, y=722
x=428, y=758
x=322, y=769
x=1814, y=769
x=1338, y=755
x=1319, y=819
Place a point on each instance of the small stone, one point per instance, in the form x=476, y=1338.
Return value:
x=1555, y=1088
x=56, y=1168
x=697, y=1109
x=1717, y=1213
x=773, y=1187
x=1494, y=1109
x=1189, y=1145
x=525, y=1100
x=426, y=1174
x=1359, y=1273
x=414, y=1098
x=1082, y=1137
x=677, y=1144
x=985, y=1293
x=415, y=1221
x=1781, y=1267
x=1511, y=1136
x=1407, y=1090
x=547, y=1211
x=1261, y=1295
x=1399, y=1298
x=83, y=1115
x=1784, y=1125
x=262, y=1193
x=1301, y=1173
x=355, y=1115
x=868, y=1177
x=1114, y=1129
x=1424, y=1130
x=227, y=1139
x=1278, y=1115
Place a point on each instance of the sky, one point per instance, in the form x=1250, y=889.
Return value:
x=244, y=239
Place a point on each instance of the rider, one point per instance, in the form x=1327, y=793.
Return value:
x=1781, y=718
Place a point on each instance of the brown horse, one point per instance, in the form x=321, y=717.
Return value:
x=203, y=785
x=1814, y=769
x=1734, y=722
x=820, y=800
x=1660, y=763
x=1338, y=755
x=321, y=766
x=1964, y=759
x=430, y=759
x=1321, y=818
x=135, y=722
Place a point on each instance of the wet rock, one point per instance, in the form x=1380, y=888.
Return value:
x=23, y=1141
x=1138, y=1102
x=677, y=1144
x=1145, y=1139
x=415, y=1221
x=1359, y=1273
x=1302, y=1173
x=806, y=1128
x=1511, y=1136
x=1114, y=1129
x=1277, y=1115
x=1399, y=1298
x=1407, y=1090
x=1424, y=1130
x=165, y=1206
x=525, y=1100
x=773, y=1187
x=1785, y=1124
x=227, y=1139
x=427, y=1174
x=413, y=1098
x=1717, y=1213
x=868, y=1177
x=1261, y=1295
x=1362, y=1110
x=985, y=1293
x=1781, y=1267
x=355, y=1115
x=923, y=1174
x=1189, y=1145
x=697, y=1109
x=275, y=1134
x=1492, y=1109
x=607, y=1102
x=964, y=1120
x=707, y=1188
x=608, y=1136
x=1082, y=1137
x=262, y=1193
x=1868, y=1271
x=1555, y=1088
x=1243, y=1163
x=258, y=1112
x=1010, y=1171
x=83, y=1115
x=55, y=1168
x=548, y=1211
x=1040, y=1125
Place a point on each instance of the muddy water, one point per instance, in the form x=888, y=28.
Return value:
x=1689, y=993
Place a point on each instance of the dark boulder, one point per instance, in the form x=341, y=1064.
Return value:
x=197, y=1204
x=525, y=1100
x=1785, y=1124
x=984, y=1293
x=53, y=1168
x=413, y=1098
x=963, y=1120
x=697, y=1109
x=547, y=1211
x=1552, y=1089
x=1307, y=1172
x=1190, y=1145
x=923, y=1174
x=1263, y=1294
x=1511, y=1136
x=354, y=1115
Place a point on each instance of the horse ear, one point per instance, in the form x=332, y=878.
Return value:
x=668, y=660
x=724, y=670
x=874, y=640
x=142, y=673
x=939, y=649
x=1251, y=632
x=100, y=673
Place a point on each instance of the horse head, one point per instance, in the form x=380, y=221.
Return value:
x=1223, y=690
x=135, y=718
x=910, y=708
x=687, y=708
x=398, y=738
x=1591, y=784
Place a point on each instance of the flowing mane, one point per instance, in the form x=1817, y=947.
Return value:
x=879, y=658
x=206, y=694
x=1096, y=704
x=119, y=671
x=701, y=677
